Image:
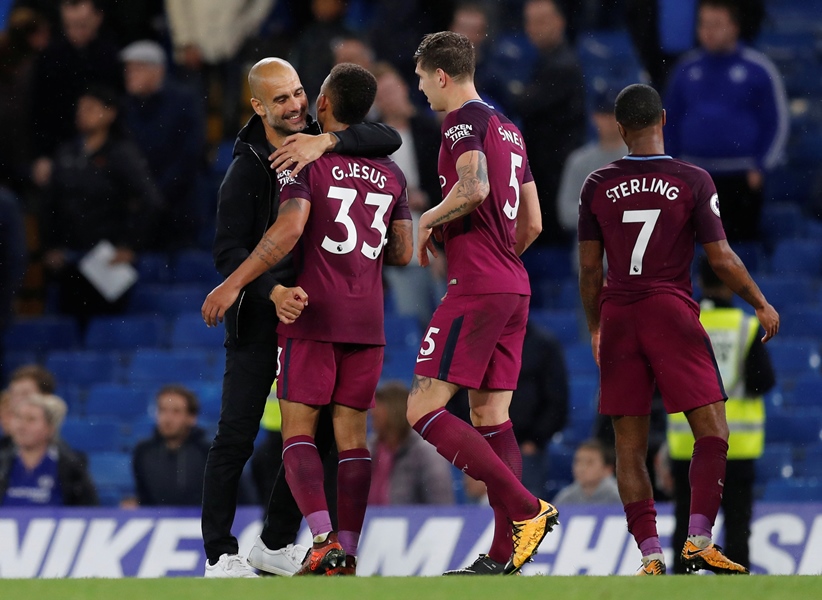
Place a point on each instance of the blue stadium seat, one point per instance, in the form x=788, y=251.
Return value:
x=117, y=400
x=196, y=266
x=402, y=331
x=797, y=257
x=168, y=299
x=209, y=394
x=559, y=458
x=563, y=324
x=83, y=367
x=547, y=263
x=41, y=335
x=811, y=463
x=72, y=395
x=112, y=475
x=782, y=220
x=135, y=431
x=802, y=427
x=169, y=366
x=582, y=393
x=399, y=363
x=792, y=357
x=127, y=332
x=579, y=359
x=189, y=331
x=801, y=320
x=13, y=360
x=567, y=297
x=91, y=435
x=153, y=267
x=806, y=392
x=793, y=490
x=776, y=462
x=786, y=290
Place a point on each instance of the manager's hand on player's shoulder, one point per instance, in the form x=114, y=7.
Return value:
x=300, y=149
x=769, y=319
x=217, y=302
x=290, y=302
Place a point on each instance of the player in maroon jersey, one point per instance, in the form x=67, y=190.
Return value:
x=343, y=217
x=489, y=215
x=644, y=212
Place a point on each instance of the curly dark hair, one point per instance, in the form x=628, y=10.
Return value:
x=352, y=90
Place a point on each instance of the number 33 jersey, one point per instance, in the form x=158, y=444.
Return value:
x=339, y=256
x=648, y=211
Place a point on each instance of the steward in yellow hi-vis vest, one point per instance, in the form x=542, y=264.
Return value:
x=747, y=374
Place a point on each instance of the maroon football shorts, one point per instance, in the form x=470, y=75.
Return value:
x=475, y=341
x=318, y=373
x=655, y=340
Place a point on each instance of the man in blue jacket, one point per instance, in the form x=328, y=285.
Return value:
x=728, y=113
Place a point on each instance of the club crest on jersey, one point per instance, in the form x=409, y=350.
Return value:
x=458, y=132
x=715, y=204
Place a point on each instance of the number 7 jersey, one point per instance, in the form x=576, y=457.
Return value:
x=648, y=211
x=479, y=247
x=339, y=256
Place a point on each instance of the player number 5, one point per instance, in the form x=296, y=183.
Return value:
x=511, y=211
x=648, y=219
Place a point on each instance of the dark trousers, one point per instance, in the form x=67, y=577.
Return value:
x=249, y=373
x=737, y=506
x=740, y=206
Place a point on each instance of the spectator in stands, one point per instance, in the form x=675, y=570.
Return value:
x=727, y=112
x=62, y=74
x=747, y=374
x=353, y=49
x=166, y=121
x=13, y=256
x=26, y=380
x=313, y=52
x=607, y=147
x=552, y=109
x=415, y=291
x=660, y=31
x=405, y=469
x=100, y=189
x=169, y=467
x=471, y=20
x=539, y=407
x=208, y=38
x=27, y=34
x=594, y=481
x=37, y=469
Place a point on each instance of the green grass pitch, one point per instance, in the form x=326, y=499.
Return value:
x=423, y=588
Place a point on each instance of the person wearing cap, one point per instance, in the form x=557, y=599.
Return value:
x=607, y=147
x=167, y=123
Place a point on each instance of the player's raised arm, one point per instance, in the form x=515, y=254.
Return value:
x=731, y=270
x=277, y=242
x=529, y=217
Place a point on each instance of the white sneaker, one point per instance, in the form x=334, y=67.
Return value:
x=285, y=561
x=229, y=565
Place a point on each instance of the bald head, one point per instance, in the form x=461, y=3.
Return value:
x=278, y=97
x=267, y=71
